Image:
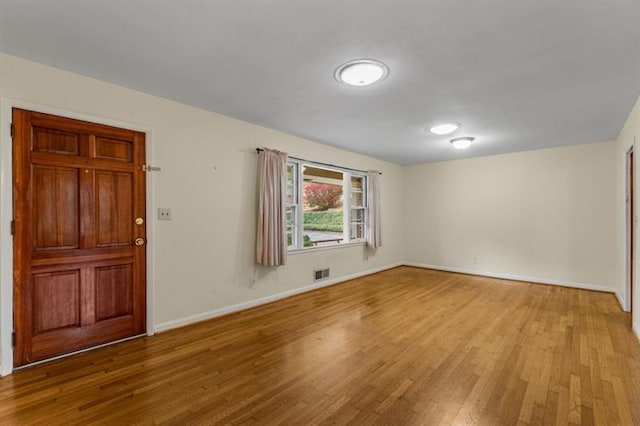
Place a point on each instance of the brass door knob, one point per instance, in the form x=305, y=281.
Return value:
x=139, y=242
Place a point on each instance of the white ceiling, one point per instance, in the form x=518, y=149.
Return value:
x=518, y=75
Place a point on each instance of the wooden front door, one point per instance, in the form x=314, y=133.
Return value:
x=79, y=235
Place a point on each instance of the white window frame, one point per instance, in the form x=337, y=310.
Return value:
x=294, y=206
x=298, y=231
x=364, y=207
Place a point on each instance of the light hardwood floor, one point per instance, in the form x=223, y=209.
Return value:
x=405, y=346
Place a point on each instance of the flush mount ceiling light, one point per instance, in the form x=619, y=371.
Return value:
x=361, y=72
x=444, y=128
x=462, y=143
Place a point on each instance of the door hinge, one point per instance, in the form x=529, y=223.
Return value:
x=13, y=130
x=146, y=168
x=13, y=338
x=13, y=227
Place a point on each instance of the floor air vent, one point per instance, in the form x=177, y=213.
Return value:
x=320, y=274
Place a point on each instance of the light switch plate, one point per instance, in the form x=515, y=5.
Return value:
x=164, y=214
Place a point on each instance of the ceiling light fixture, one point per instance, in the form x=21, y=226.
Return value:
x=444, y=128
x=361, y=72
x=462, y=143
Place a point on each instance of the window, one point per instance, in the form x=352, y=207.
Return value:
x=326, y=206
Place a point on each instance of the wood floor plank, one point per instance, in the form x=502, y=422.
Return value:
x=404, y=346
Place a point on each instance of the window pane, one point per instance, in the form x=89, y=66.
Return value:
x=356, y=199
x=356, y=182
x=291, y=223
x=357, y=215
x=291, y=181
x=357, y=230
x=356, y=224
x=290, y=194
x=323, y=211
x=357, y=193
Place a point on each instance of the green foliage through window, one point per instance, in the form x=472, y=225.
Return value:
x=323, y=221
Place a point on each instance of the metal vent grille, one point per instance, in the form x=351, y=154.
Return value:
x=320, y=274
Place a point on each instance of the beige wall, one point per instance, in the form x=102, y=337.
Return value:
x=626, y=139
x=546, y=214
x=204, y=257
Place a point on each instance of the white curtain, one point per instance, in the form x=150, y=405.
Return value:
x=374, y=236
x=271, y=243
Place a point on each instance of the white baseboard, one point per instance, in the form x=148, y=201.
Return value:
x=513, y=277
x=264, y=300
x=623, y=304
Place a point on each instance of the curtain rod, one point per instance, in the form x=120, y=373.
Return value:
x=259, y=150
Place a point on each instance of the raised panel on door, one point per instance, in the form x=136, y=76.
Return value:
x=55, y=141
x=114, y=149
x=56, y=300
x=114, y=208
x=55, y=208
x=114, y=291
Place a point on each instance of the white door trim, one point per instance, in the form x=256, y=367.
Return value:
x=629, y=222
x=6, y=215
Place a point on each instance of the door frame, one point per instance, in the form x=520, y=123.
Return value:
x=632, y=304
x=630, y=228
x=6, y=216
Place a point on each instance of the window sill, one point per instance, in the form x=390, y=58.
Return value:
x=316, y=249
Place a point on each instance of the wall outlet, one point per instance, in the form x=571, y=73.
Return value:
x=164, y=214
